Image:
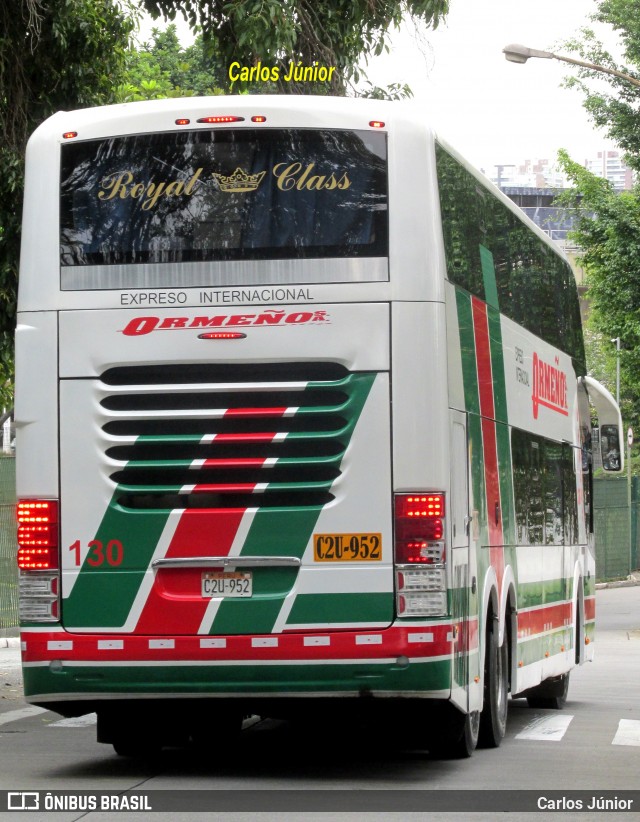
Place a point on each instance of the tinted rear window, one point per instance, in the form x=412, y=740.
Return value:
x=254, y=194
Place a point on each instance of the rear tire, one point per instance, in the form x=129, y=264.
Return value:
x=493, y=719
x=129, y=746
x=457, y=735
x=552, y=693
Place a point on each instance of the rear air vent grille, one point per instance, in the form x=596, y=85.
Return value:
x=228, y=436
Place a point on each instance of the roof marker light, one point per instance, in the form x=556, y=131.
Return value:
x=183, y=121
x=258, y=118
x=376, y=123
x=221, y=118
x=69, y=135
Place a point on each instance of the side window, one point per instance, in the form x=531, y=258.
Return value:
x=545, y=491
x=534, y=286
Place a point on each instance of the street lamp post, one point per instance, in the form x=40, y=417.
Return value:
x=616, y=340
x=516, y=53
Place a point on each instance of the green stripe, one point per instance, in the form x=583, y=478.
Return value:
x=319, y=609
x=489, y=277
x=467, y=352
x=534, y=649
x=547, y=592
x=103, y=596
x=503, y=438
x=285, y=680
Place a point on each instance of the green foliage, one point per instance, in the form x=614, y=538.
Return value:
x=338, y=33
x=163, y=67
x=616, y=110
x=608, y=231
x=58, y=54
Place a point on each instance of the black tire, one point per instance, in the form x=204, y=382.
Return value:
x=225, y=727
x=493, y=719
x=552, y=693
x=457, y=735
x=134, y=747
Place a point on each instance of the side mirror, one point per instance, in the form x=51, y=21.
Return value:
x=610, y=447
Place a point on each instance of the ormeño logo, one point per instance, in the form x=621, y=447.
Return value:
x=145, y=325
x=549, y=387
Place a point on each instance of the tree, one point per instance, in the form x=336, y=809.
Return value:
x=163, y=67
x=53, y=55
x=608, y=232
x=338, y=33
x=608, y=226
x=617, y=110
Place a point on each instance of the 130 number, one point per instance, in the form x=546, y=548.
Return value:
x=112, y=553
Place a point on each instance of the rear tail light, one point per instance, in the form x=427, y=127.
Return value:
x=38, y=560
x=420, y=555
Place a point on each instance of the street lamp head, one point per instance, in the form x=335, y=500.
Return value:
x=516, y=53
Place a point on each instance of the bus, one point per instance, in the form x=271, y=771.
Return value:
x=303, y=426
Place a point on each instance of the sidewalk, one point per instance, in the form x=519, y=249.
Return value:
x=632, y=579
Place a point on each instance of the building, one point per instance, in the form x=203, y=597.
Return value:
x=544, y=173
x=610, y=166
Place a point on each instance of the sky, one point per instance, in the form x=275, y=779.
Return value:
x=493, y=111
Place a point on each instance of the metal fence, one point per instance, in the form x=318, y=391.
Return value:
x=616, y=526
x=8, y=567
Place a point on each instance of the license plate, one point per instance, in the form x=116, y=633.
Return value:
x=227, y=584
x=347, y=547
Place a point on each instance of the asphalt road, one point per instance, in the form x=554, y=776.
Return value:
x=592, y=745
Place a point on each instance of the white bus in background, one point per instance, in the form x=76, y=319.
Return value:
x=303, y=424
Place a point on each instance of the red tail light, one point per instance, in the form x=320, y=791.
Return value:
x=421, y=573
x=419, y=524
x=221, y=118
x=38, y=535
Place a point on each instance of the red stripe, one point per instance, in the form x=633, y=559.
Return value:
x=291, y=646
x=240, y=462
x=590, y=608
x=171, y=606
x=489, y=439
x=259, y=437
x=224, y=488
x=255, y=412
x=547, y=618
x=483, y=358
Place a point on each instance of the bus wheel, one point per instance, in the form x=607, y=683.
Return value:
x=131, y=745
x=208, y=733
x=552, y=693
x=493, y=719
x=457, y=735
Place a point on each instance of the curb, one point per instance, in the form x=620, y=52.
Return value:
x=630, y=581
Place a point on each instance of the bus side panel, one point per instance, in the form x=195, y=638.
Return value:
x=36, y=407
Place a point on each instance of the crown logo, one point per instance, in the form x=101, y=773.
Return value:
x=239, y=181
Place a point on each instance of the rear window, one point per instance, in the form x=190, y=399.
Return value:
x=245, y=194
